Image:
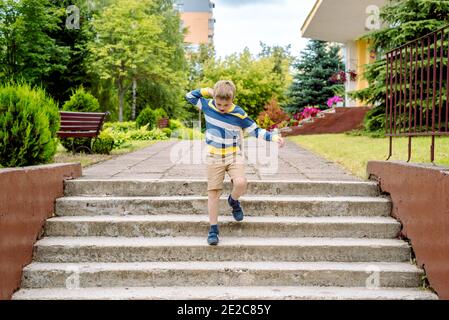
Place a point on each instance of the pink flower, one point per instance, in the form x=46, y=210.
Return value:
x=334, y=100
x=310, y=112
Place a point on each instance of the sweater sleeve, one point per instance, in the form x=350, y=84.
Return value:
x=197, y=98
x=251, y=128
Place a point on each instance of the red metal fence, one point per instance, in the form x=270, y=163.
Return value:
x=417, y=101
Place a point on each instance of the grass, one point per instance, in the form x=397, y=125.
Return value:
x=354, y=152
x=62, y=156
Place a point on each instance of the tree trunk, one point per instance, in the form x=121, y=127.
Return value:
x=133, y=115
x=121, y=96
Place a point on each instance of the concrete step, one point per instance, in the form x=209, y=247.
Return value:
x=166, y=274
x=253, y=205
x=225, y=293
x=188, y=225
x=136, y=188
x=102, y=249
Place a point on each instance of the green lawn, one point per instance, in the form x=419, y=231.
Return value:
x=354, y=152
x=62, y=156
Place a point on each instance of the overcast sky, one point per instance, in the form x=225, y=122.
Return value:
x=244, y=23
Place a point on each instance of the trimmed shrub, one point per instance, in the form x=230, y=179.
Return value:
x=158, y=134
x=120, y=126
x=122, y=138
x=167, y=132
x=160, y=114
x=146, y=117
x=103, y=144
x=80, y=101
x=29, y=120
x=150, y=117
x=175, y=124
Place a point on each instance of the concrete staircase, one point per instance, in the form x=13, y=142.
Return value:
x=147, y=240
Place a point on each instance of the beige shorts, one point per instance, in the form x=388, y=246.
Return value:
x=217, y=166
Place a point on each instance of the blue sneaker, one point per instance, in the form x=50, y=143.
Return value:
x=237, y=210
x=212, y=239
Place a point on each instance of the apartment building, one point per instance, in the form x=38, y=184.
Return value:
x=198, y=18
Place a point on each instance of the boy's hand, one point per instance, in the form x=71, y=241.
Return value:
x=210, y=92
x=281, y=142
x=207, y=92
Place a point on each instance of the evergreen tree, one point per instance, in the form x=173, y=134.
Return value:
x=75, y=35
x=28, y=51
x=405, y=20
x=311, y=85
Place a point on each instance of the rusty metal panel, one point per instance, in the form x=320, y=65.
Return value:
x=27, y=198
x=420, y=201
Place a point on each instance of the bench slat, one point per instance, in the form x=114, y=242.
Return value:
x=75, y=123
x=79, y=128
x=80, y=118
x=85, y=114
x=69, y=134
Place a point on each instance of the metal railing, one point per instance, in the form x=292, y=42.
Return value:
x=417, y=89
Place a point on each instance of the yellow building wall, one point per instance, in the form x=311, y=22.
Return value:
x=364, y=57
x=197, y=24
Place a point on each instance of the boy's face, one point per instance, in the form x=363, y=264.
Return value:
x=224, y=105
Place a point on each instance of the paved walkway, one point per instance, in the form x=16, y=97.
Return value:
x=177, y=160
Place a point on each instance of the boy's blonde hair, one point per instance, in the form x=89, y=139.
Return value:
x=225, y=89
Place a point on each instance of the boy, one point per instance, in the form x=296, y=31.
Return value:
x=224, y=123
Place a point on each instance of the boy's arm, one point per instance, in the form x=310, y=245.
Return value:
x=250, y=127
x=196, y=97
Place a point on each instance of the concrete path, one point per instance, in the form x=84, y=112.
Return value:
x=159, y=162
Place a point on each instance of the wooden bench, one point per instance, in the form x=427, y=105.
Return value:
x=81, y=125
x=163, y=123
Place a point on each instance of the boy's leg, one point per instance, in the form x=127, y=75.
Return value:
x=236, y=171
x=215, y=173
x=212, y=205
x=214, y=232
x=239, y=187
x=215, y=176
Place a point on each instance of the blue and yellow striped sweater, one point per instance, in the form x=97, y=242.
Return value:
x=224, y=131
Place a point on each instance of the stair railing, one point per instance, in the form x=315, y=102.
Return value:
x=417, y=90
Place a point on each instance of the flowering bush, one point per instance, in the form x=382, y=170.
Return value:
x=339, y=77
x=334, y=100
x=296, y=119
x=273, y=115
x=298, y=116
x=310, y=112
x=352, y=75
x=266, y=122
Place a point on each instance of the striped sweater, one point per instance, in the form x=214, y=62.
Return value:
x=224, y=131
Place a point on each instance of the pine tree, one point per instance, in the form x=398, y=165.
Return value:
x=311, y=85
x=406, y=20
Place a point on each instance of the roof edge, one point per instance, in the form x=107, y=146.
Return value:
x=310, y=16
